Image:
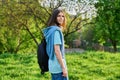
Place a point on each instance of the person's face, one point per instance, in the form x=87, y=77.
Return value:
x=60, y=18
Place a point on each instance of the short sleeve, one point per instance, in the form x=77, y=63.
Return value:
x=57, y=39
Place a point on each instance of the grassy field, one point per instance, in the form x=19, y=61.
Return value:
x=87, y=66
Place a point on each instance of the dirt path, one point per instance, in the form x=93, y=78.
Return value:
x=72, y=50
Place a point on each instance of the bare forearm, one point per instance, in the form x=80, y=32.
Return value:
x=60, y=60
x=59, y=57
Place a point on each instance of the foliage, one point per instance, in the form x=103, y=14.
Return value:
x=87, y=34
x=21, y=25
x=89, y=65
x=70, y=38
x=107, y=22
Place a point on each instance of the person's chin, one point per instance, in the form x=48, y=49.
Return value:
x=61, y=23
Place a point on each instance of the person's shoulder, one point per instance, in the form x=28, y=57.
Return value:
x=55, y=27
x=57, y=32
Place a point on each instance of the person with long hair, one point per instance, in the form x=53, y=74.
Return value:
x=55, y=45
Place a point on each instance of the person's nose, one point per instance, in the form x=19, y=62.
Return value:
x=61, y=17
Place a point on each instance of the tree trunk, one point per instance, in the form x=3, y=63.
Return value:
x=114, y=44
x=115, y=47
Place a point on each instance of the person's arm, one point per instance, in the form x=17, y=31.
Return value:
x=59, y=57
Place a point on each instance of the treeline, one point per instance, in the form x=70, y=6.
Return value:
x=21, y=24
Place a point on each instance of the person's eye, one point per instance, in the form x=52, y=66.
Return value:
x=58, y=16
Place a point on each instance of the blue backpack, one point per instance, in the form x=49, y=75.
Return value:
x=42, y=56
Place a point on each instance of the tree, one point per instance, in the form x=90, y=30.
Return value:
x=25, y=19
x=108, y=22
x=79, y=13
x=21, y=25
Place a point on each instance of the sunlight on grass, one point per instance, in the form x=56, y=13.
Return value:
x=89, y=65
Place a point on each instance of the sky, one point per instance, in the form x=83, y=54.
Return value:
x=73, y=7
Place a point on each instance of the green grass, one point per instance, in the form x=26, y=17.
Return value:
x=88, y=66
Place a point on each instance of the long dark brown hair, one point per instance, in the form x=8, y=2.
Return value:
x=53, y=18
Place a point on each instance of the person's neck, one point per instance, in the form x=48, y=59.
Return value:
x=61, y=28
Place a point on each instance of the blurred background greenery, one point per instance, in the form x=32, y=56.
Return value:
x=91, y=25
